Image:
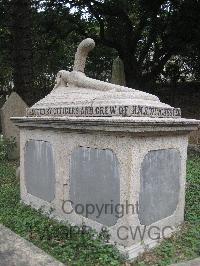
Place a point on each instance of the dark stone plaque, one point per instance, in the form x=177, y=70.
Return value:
x=40, y=169
x=159, y=185
x=94, y=179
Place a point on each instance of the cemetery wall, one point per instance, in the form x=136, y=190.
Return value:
x=187, y=97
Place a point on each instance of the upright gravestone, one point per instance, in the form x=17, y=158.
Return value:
x=118, y=75
x=2, y=101
x=107, y=156
x=14, y=106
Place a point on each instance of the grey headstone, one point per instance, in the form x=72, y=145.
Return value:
x=118, y=75
x=95, y=180
x=14, y=106
x=159, y=185
x=2, y=101
x=40, y=169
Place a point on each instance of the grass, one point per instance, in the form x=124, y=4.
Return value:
x=74, y=247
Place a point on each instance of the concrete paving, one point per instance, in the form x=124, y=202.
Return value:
x=195, y=262
x=16, y=251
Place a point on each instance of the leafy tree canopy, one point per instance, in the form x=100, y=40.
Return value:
x=147, y=35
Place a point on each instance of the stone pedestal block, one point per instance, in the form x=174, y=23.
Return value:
x=124, y=175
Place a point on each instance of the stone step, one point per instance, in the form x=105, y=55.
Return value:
x=16, y=251
x=195, y=262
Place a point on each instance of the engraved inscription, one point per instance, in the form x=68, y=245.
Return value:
x=106, y=111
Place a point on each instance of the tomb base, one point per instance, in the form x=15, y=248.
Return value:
x=126, y=174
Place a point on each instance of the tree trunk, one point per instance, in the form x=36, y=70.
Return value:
x=130, y=70
x=22, y=49
x=131, y=78
x=173, y=92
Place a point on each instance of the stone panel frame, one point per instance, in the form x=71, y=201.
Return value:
x=130, y=149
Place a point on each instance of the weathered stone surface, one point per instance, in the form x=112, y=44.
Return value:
x=14, y=106
x=118, y=75
x=95, y=180
x=111, y=124
x=159, y=185
x=130, y=149
x=40, y=169
x=77, y=95
x=16, y=251
x=81, y=55
x=195, y=262
x=2, y=101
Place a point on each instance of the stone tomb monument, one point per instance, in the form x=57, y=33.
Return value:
x=106, y=155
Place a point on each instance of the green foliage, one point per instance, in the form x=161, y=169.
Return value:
x=5, y=58
x=56, y=32
x=192, y=206
x=145, y=34
x=78, y=246
x=7, y=146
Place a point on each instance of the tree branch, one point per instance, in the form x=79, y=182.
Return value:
x=105, y=40
x=157, y=68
